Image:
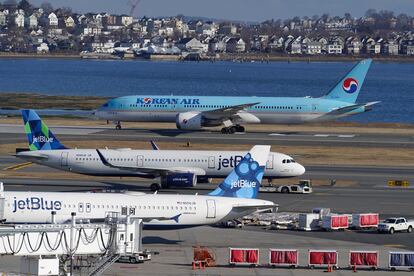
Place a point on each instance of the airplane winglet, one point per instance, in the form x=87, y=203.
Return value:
x=175, y=218
x=103, y=159
x=154, y=146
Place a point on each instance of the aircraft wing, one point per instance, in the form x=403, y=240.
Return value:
x=349, y=108
x=252, y=207
x=226, y=111
x=152, y=170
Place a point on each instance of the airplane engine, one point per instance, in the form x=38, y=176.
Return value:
x=179, y=180
x=189, y=120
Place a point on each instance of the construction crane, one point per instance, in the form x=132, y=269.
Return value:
x=133, y=4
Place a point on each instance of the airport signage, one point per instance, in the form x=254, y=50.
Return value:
x=36, y=203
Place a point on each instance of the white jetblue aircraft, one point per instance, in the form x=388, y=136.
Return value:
x=233, y=198
x=170, y=167
x=197, y=112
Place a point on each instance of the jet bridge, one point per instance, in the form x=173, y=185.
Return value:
x=40, y=245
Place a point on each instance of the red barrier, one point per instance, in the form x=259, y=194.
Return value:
x=249, y=256
x=365, y=220
x=366, y=259
x=323, y=258
x=283, y=257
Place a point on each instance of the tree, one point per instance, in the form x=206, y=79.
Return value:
x=25, y=5
x=47, y=7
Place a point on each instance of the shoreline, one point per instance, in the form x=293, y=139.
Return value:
x=229, y=57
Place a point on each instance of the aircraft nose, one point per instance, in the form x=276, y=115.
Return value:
x=300, y=169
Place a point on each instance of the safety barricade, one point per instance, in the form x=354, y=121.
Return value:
x=283, y=257
x=323, y=258
x=401, y=260
x=363, y=259
x=244, y=256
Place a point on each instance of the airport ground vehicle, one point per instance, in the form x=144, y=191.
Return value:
x=303, y=187
x=135, y=258
x=392, y=225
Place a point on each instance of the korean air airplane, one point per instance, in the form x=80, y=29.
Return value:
x=236, y=196
x=168, y=168
x=195, y=112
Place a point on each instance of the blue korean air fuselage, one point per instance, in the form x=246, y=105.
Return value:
x=269, y=110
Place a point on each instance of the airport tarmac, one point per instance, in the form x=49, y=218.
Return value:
x=8, y=133
x=365, y=190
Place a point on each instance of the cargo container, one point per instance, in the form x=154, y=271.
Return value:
x=309, y=222
x=244, y=256
x=283, y=257
x=363, y=259
x=368, y=220
x=335, y=222
x=401, y=261
x=323, y=258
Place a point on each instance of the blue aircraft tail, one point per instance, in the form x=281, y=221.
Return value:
x=347, y=89
x=244, y=181
x=38, y=134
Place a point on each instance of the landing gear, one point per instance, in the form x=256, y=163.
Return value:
x=155, y=187
x=232, y=129
x=118, y=125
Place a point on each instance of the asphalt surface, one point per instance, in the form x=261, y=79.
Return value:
x=365, y=192
x=13, y=133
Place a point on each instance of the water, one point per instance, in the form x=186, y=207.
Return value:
x=390, y=83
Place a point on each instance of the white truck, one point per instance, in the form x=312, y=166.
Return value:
x=303, y=187
x=392, y=225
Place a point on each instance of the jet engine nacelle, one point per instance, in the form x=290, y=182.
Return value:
x=189, y=120
x=179, y=180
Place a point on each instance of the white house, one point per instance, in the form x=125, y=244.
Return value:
x=335, y=48
x=53, y=20
x=32, y=21
x=126, y=20
x=2, y=18
x=191, y=45
x=69, y=22
x=19, y=20
x=235, y=45
x=313, y=48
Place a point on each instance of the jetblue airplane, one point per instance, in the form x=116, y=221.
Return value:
x=236, y=196
x=196, y=112
x=168, y=167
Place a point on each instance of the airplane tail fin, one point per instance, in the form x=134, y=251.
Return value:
x=244, y=181
x=38, y=134
x=347, y=89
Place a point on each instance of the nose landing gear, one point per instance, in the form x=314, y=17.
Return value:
x=118, y=125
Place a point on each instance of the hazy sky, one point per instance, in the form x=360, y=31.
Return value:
x=246, y=10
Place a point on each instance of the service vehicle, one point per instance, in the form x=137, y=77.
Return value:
x=303, y=187
x=135, y=258
x=392, y=225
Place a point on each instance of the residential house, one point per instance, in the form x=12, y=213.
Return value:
x=390, y=47
x=32, y=21
x=19, y=20
x=69, y=22
x=312, y=48
x=53, y=20
x=407, y=47
x=216, y=45
x=335, y=46
x=371, y=46
x=89, y=31
x=227, y=29
x=126, y=20
x=353, y=46
x=276, y=44
x=324, y=44
x=235, y=45
x=3, y=18
x=190, y=45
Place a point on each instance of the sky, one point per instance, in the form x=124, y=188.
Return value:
x=244, y=10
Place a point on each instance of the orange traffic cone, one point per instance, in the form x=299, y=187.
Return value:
x=329, y=268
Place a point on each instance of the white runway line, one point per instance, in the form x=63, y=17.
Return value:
x=346, y=135
x=321, y=135
x=277, y=134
